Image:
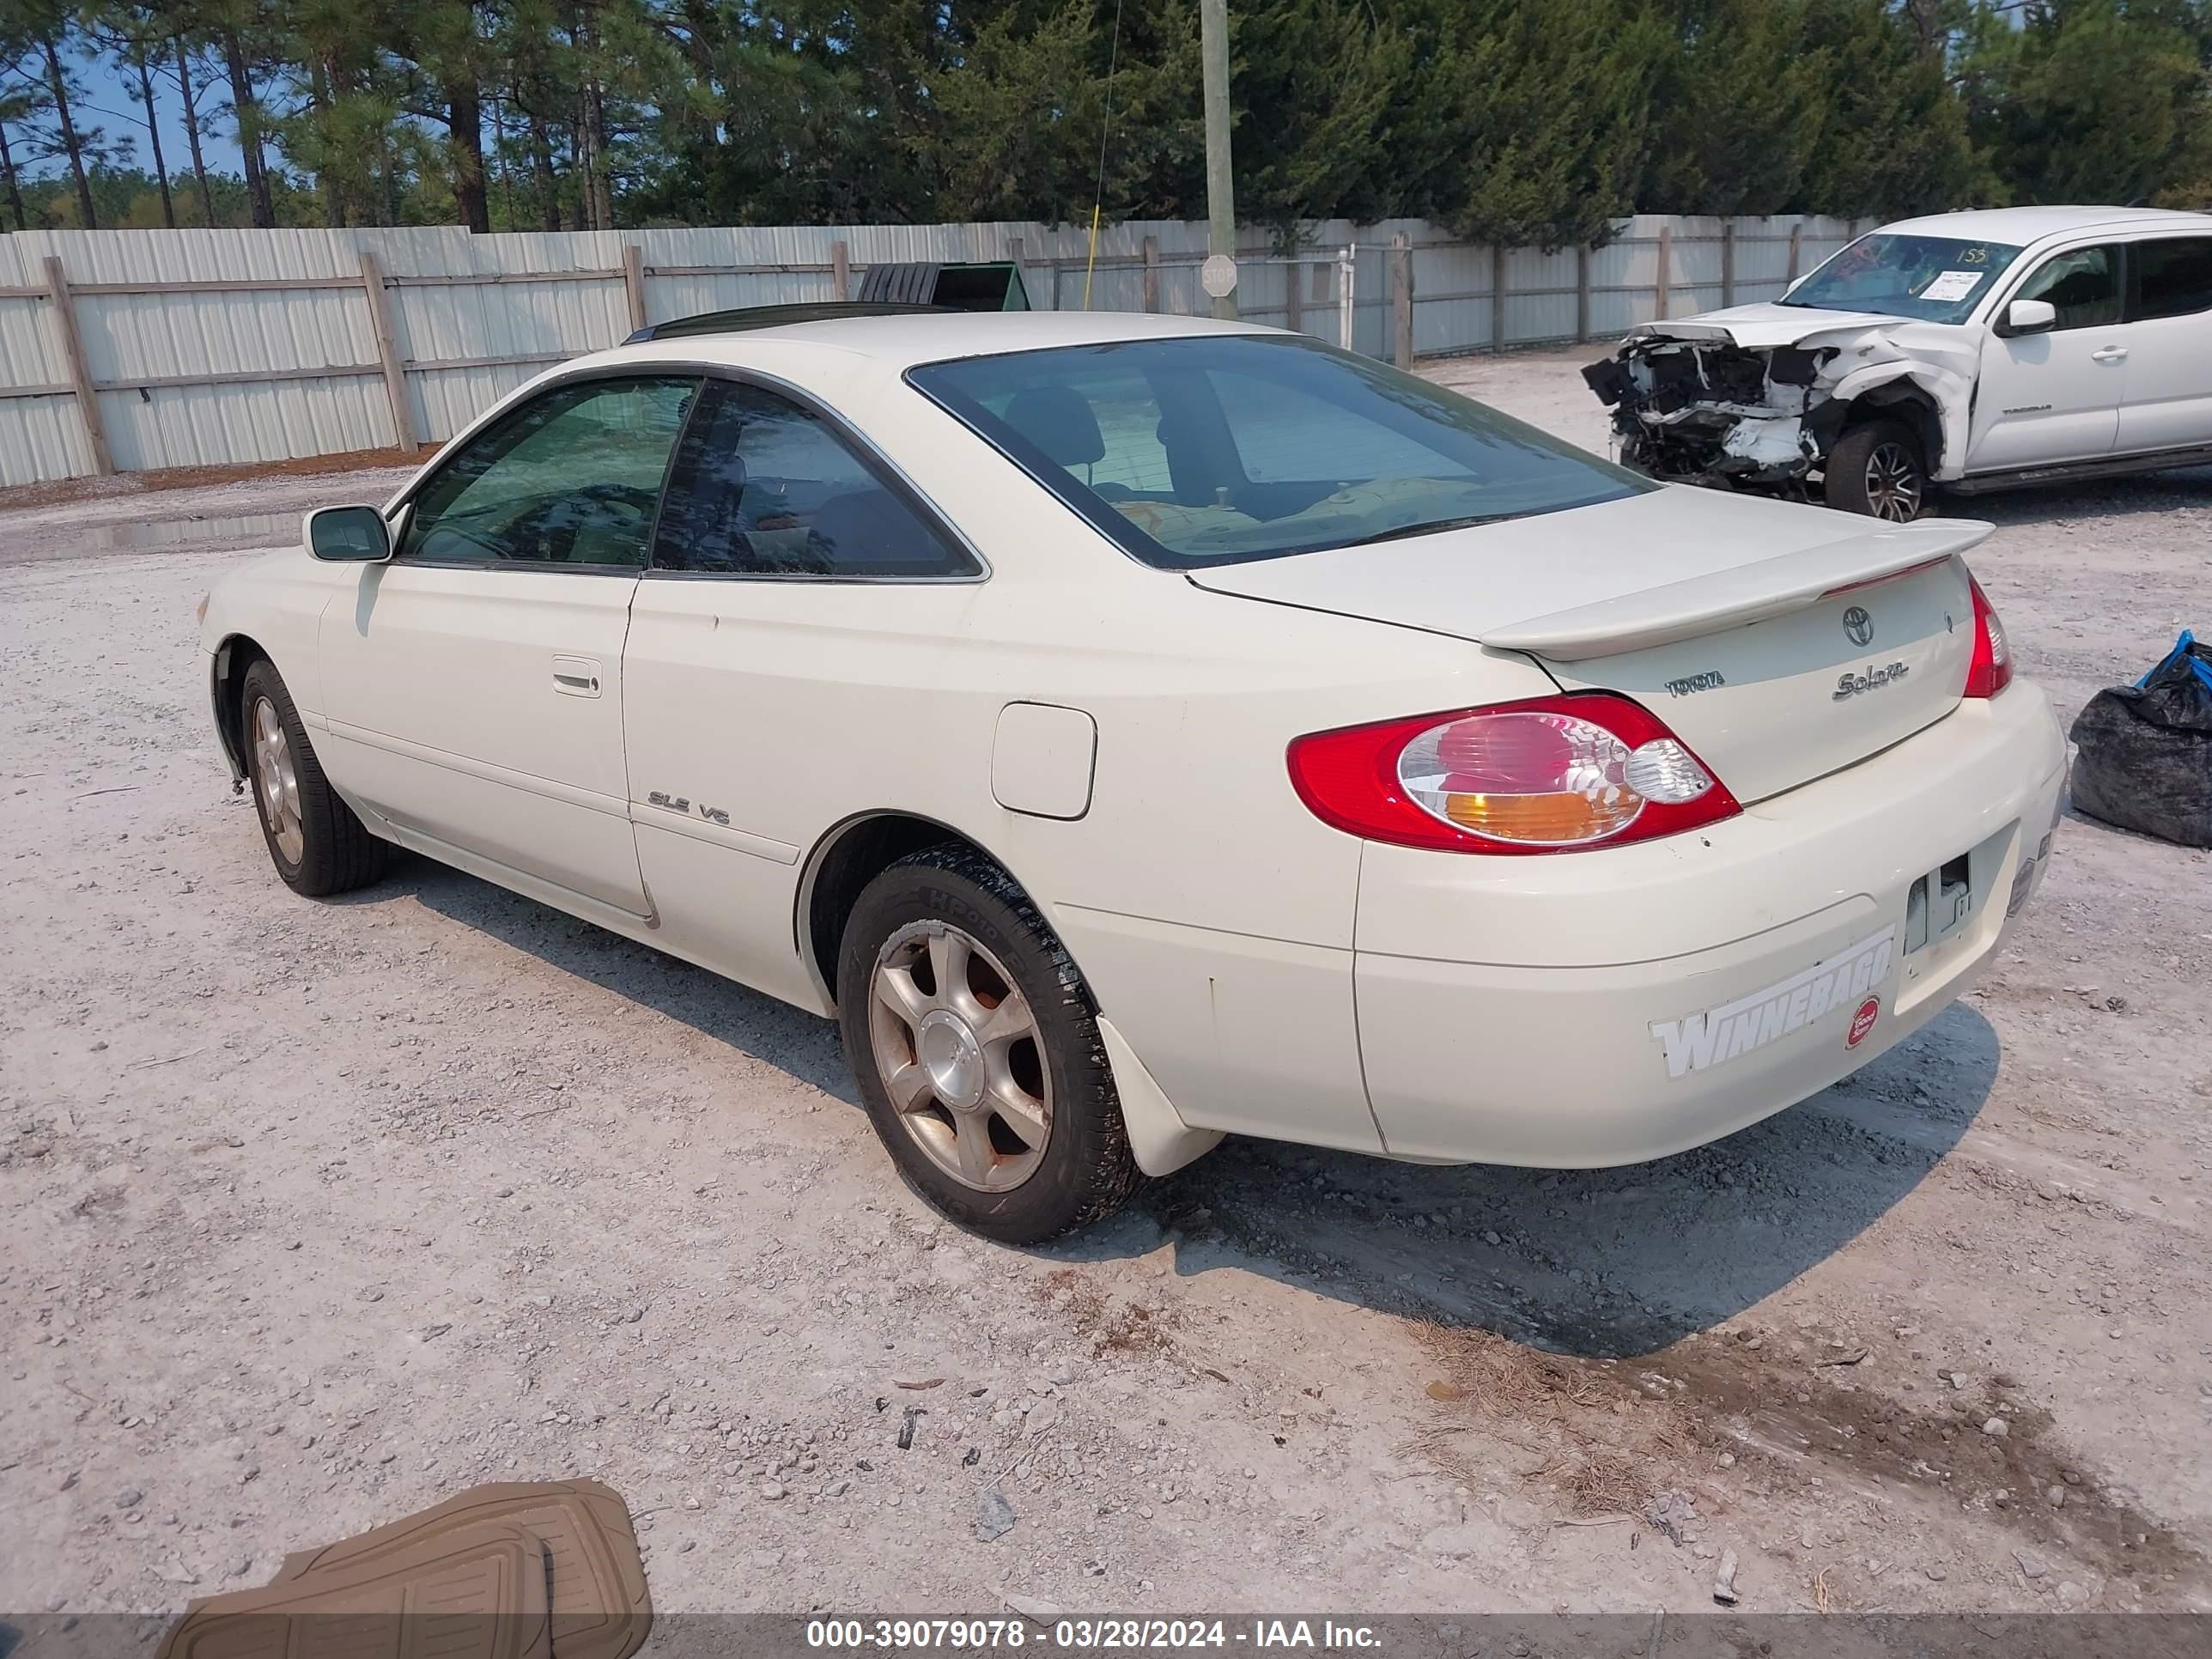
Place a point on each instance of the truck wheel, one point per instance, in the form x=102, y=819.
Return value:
x=1877, y=469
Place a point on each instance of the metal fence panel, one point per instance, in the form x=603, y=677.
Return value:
x=446, y=399
x=215, y=345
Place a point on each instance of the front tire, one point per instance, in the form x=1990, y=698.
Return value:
x=318, y=847
x=1879, y=469
x=976, y=1045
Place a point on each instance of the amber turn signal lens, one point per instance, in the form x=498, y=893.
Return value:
x=1559, y=819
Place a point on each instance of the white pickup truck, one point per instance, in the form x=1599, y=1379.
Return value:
x=1970, y=351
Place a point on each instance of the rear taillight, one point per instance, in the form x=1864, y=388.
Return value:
x=1991, y=669
x=1552, y=775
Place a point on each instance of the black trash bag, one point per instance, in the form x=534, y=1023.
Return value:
x=2146, y=750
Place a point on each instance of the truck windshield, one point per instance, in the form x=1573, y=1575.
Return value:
x=1933, y=279
x=1218, y=448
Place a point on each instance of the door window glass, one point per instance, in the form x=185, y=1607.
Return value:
x=762, y=487
x=571, y=477
x=2082, y=284
x=2173, y=277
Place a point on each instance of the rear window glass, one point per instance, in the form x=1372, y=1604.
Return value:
x=1217, y=449
x=2175, y=277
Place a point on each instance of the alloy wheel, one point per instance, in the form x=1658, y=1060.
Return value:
x=1893, y=485
x=960, y=1056
x=276, y=782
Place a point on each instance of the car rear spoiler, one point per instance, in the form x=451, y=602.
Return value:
x=1738, y=598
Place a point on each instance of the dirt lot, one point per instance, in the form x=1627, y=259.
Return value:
x=320, y=1212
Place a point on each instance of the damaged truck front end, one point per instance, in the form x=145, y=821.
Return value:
x=1862, y=411
x=1716, y=413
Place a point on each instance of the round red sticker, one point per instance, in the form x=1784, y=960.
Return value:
x=1863, y=1021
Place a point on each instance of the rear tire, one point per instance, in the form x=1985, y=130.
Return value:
x=976, y=1048
x=1879, y=469
x=318, y=847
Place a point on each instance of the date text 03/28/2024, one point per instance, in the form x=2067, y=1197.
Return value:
x=1094, y=1635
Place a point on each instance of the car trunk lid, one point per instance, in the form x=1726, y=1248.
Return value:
x=1781, y=643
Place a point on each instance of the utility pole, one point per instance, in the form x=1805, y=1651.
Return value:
x=1220, y=182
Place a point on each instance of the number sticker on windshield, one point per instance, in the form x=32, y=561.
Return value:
x=1948, y=285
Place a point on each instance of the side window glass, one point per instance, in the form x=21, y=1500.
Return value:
x=2174, y=278
x=2082, y=284
x=764, y=488
x=571, y=478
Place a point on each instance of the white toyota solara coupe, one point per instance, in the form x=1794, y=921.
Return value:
x=1133, y=730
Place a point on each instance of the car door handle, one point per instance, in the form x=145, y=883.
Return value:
x=576, y=676
x=2111, y=353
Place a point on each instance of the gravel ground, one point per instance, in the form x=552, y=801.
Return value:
x=319, y=1212
x=99, y=517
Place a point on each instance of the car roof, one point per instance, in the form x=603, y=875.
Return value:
x=897, y=340
x=2021, y=226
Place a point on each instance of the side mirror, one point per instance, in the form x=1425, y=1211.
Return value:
x=348, y=535
x=2029, y=317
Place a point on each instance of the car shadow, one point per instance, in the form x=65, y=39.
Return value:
x=1598, y=1263
x=2139, y=494
x=800, y=1045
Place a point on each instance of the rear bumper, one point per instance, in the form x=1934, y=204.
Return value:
x=1547, y=1012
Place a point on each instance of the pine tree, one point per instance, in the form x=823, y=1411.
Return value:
x=1317, y=87
x=47, y=28
x=1554, y=118
x=1894, y=142
x=2089, y=100
x=1517, y=121
x=1740, y=105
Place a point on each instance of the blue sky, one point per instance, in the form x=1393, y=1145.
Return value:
x=110, y=101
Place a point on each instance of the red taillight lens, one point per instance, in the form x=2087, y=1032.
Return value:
x=1991, y=669
x=1551, y=774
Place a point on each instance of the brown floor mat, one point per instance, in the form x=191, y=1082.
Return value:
x=478, y=1594
x=601, y=1608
